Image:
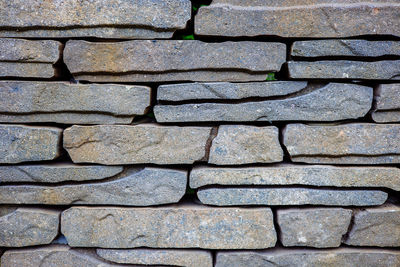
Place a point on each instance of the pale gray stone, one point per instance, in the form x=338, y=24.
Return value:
x=22, y=227
x=169, y=227
x=173, y=60
x=387, y=103
x=313, y=227
x=19, y=143
x=354, y=143
x=290, y=196
x=378, y=227
x=136, y=187
x=242, y=144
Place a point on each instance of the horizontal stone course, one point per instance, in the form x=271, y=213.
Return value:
x=387, y=103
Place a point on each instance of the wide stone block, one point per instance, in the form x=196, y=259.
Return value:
x=169, y=227
x=387, y=103
x=335, y=101
x=299, y=18
x=136, y=187
x=145, y=143
x=126, y=19
x=173, y=60
x=19, y=143
x=27, y=59
x=22, y=227
x=313, y=227
x=345, y=69
x=355, y=143
x=290, y=196
x=346, y=257
x=71, y=103
x=145, y=256
x=378, y=227
x=241, y=144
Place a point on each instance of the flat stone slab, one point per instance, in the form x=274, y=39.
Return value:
x=346, y=257
x=290, y=196
x=300, y=18
x=313, y=227
x=19, y=143
x=71, y=103
x=345, y=48
x=345, y=69
x=22, y=227
x=335, y=101
x=28, y=59
x=286, y=174
x=378, y=227
x=145, y=143
x=169, y=227
x=173, y=60
x=354, y=143
x=145, y=256
x=102, y=18
x=241, y=144
x=136, y=187
x=387, y=103
x=55, y=173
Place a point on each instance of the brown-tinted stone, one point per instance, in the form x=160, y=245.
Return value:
x=387, y=103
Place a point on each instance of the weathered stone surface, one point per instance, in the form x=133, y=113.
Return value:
x=355, y=143
x=387, y=103
x=173, y=60
x=300, y=18
x=345, y=69
x=136, y=187
x=175, y=257
x=169, y=227
x=55, y=173
x=241, y=144
x=376, y=227
x=21, y=227
x=314, y=227
x=226, y=90
x=335, y=101
x=100, y=18
x=145, y=143
x=19, y=143
x=70, y=103
x=346, y=257
x=290, y=196
x=348, y=48
x=285, y=174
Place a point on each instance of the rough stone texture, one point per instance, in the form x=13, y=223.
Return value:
x=19, y=143
x=185, y=258
x=241, y=144
x=349, y=48
x=346, y=257
x=169, y=227
x=146, y=143
x=313, y=227
x=101, y=18
x=21, y=227
x=226, y=90
x=285, y=174
x=70, y=103
x=335, y=101
x=355, y=143
x=387, y=103
x=345, y=69
x=173, y=60
x=137, y=187
x=290, y=196
x=301, y=18
x=376, y=227
x=55, y=173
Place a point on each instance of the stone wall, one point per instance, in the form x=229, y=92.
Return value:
x=199, y=134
